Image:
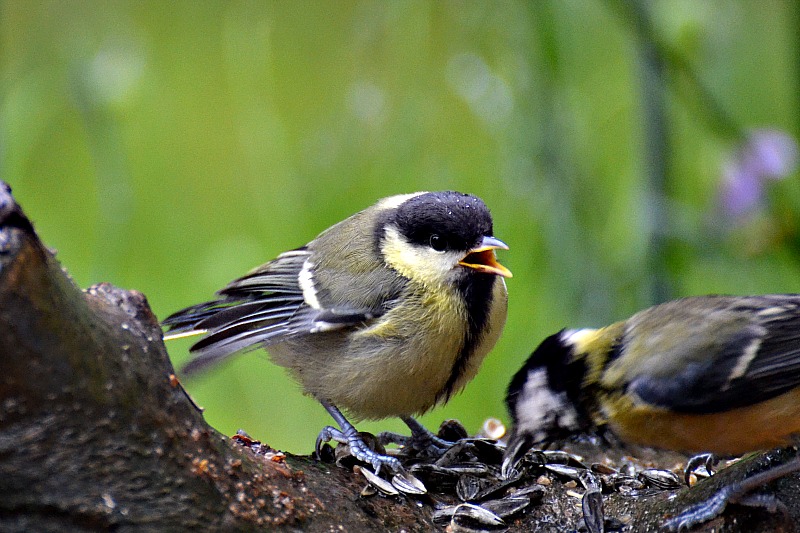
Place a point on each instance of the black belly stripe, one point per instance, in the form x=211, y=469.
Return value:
x=476, y=289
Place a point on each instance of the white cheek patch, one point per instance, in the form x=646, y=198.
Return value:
x=540, y=410
x=420, y=262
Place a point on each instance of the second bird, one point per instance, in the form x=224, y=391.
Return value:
x=386, y=313
x=716, y=374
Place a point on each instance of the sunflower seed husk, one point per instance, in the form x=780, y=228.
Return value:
x=533, y=492
x=618, y=482
x=569, y=472
x=506, y=507
x=454, y=453
x=475, y=469
x=563, y=458
x=592, y=507
x=435, y=477
x=468, y=515
x=660, y=479
x=342, y=456
x=407, y=483
x=488, y=451
x=443, y=514
x=590, y=480
x=601, y=468
x=495, y=489
x=378, y=482
x=452, y=430
x=465, y=513
x=468, y=487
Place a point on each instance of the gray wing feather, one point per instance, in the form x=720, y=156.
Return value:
x=751, y=365
x=267, y=306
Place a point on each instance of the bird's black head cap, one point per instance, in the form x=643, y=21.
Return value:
x=446, y=220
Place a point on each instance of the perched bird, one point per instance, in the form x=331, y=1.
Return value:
x=384, y=314
x=717, y=374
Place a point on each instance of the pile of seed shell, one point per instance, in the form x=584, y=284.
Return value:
x=468, y=492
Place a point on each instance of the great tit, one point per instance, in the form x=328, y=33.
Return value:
x=387, y=313
x=717, y=374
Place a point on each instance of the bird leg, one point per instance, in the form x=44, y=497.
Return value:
x=737, y=493
x=349, y=435
x=421, y=439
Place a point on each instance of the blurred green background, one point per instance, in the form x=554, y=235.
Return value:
x=169, y=147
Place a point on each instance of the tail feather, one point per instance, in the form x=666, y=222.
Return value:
x=257, y=309
x=231, y=326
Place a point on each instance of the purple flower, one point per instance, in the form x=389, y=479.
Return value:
x=765, y=155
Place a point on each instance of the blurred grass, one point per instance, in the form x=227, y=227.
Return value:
x=170, y=147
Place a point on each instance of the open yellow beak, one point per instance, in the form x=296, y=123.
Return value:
x=482, y=258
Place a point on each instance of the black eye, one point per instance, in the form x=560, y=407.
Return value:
x=438, y=243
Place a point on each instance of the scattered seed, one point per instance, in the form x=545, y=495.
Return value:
x=569, y=472
x=475, y=469
x=494, y=428
x=660, y=479
x=435, y=477
x=468, y=487
x=468, y=514
x=534, y=493
x=454, y=454
x=590, y=480
x=563, y=458
x=495, y=489
x=407, y=483
x=592, y=507
x=602, y=468
x=506, y=507
x=488, y=451
x=378, y=482
x=452, y=431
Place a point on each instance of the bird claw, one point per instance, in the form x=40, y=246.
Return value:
x=358, y=449
x=426, y=445
x=421, y=440
x=707, y=460
x=327, y=434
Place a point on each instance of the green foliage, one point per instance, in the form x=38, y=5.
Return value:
x=169, y=147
